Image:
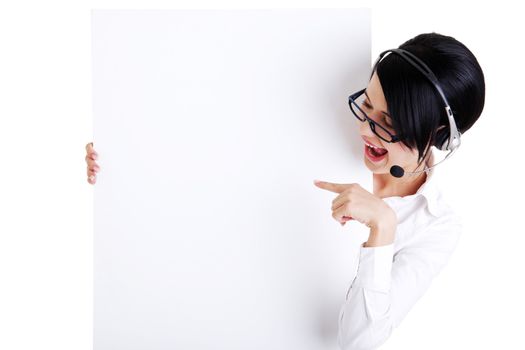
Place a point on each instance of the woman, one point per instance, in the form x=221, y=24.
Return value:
x=413, y=232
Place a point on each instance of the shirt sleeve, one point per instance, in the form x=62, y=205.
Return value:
x=387, y=285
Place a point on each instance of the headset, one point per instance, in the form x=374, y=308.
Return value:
x=444, y=141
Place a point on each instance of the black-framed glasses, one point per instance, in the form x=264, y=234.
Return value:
x=355, y=101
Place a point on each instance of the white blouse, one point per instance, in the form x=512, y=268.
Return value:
x=391, y=278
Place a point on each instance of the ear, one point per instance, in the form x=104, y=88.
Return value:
x=441, y=136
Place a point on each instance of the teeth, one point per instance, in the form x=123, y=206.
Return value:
x=369, y=145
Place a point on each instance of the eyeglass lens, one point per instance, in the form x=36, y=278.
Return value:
x=380, y=129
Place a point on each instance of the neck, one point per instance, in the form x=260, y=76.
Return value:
x=386, y=185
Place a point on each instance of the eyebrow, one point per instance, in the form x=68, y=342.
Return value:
x=373, y=106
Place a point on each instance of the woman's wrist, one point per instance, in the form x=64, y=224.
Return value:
x=383, y=231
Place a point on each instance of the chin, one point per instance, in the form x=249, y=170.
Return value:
x=378, y=168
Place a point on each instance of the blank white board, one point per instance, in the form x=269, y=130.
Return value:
x=211, y=126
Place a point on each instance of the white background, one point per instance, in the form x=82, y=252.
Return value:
x=46, y=226
x=216, y=241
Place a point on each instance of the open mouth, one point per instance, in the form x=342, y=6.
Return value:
x=375, y=153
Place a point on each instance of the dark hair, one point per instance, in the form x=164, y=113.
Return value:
x=416, y=108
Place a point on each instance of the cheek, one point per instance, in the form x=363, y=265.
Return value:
x=399, y=153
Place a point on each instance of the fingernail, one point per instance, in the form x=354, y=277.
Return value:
x=91, y=177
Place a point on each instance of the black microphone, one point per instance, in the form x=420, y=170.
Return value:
x=398, y=171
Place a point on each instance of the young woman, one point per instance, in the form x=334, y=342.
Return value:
x=413, y=232
x=425, y=93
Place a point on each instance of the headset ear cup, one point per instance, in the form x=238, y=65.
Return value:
x=441, y=139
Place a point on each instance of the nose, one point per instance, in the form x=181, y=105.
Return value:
x=365, y=130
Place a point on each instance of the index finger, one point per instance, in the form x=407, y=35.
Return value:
x=91, y=152
x=337, y=188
